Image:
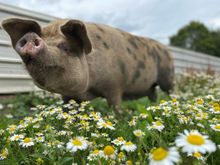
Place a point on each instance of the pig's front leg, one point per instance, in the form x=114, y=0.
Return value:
x=114, y=101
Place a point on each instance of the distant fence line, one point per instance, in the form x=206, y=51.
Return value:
x=14, y=78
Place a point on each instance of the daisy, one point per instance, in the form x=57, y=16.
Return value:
x=197, y=155
x=157, y=125
x=138, y=133
x=103, y=124
x=78, y=143
x=109, y=152
x=16, y=137
x=40, y=139
x=129, y=147
x=1, y=131
x=119, y=141
x=121, y=156
x=11, y=129
x=194, y=141
x=216, y=127
x=215, y=110
x=3, y=154
x=95, y=155
x=161, y=156
x=1, y=106
x=26, y=142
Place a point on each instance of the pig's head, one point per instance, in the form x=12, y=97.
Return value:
x=53, y=55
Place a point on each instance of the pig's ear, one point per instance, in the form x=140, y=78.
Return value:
x=16, y=28
x=77, y=29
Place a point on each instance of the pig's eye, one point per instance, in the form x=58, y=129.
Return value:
x=64, y=47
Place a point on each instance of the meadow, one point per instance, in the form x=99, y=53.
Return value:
x=183, y=128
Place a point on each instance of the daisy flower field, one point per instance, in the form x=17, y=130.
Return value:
x=182, y=128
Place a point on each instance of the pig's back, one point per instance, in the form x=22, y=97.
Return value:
x=122, y=59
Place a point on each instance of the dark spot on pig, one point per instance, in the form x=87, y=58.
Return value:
x=153, y=53
x=135, y=56
x=133, y=43
x=105, y=45
x=144, y=55
x=141, y=65
x=129, y=50
x=100, y=29
x=136, y=75
x=123, y=69
x=98, y=37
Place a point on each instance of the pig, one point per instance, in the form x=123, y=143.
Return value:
x=82, y=60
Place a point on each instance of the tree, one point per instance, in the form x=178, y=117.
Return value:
x=196, y=36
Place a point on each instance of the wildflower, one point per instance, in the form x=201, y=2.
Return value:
x=119, y=141
x=9, y=116
x=40, y=139
x=143, y=115
x=138, y=133
x=161, y=156
x=216, y=127
x=39, y=161
x=197, y=155
x=1, y=106
x=11, y=128
x=200, y=101
x=133, y=122
x=194, y=141
x=61, y=133
x=1, y=131
x=129, y=162
x=102, y=124
x=27, y=142
x=94, y=155
x=78, y=143
x=157, y=125
x=16, y=137
x=121, y=156
x=129, y=147
x=3, y=154
x=109, y=152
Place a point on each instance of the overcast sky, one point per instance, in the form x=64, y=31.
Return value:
x=158, y=19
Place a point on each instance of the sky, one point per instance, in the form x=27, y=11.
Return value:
x=157, y=19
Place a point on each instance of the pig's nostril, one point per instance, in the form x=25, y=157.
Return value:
x=36, y=42
x=23, y=42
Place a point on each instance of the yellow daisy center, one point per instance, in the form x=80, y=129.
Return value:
x=109, y=150
x=120, y=138
x=77, y=142
x=129, y=162
x=195, y=139
x=109, y=123
x=121, y=155
x=17, y=137
x=4, y=153
x=197, y=155
x=217, y=127
x=216, y=105
x=128, y=143
x=159, y=154
x=11, y=129
x=200, y=101
x=216, y=109
x=95, y=152
x=27, y=140
x=158, y=123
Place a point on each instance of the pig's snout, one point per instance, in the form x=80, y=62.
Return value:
x=30, y=44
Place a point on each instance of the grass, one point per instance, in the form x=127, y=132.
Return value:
x=91, y=133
